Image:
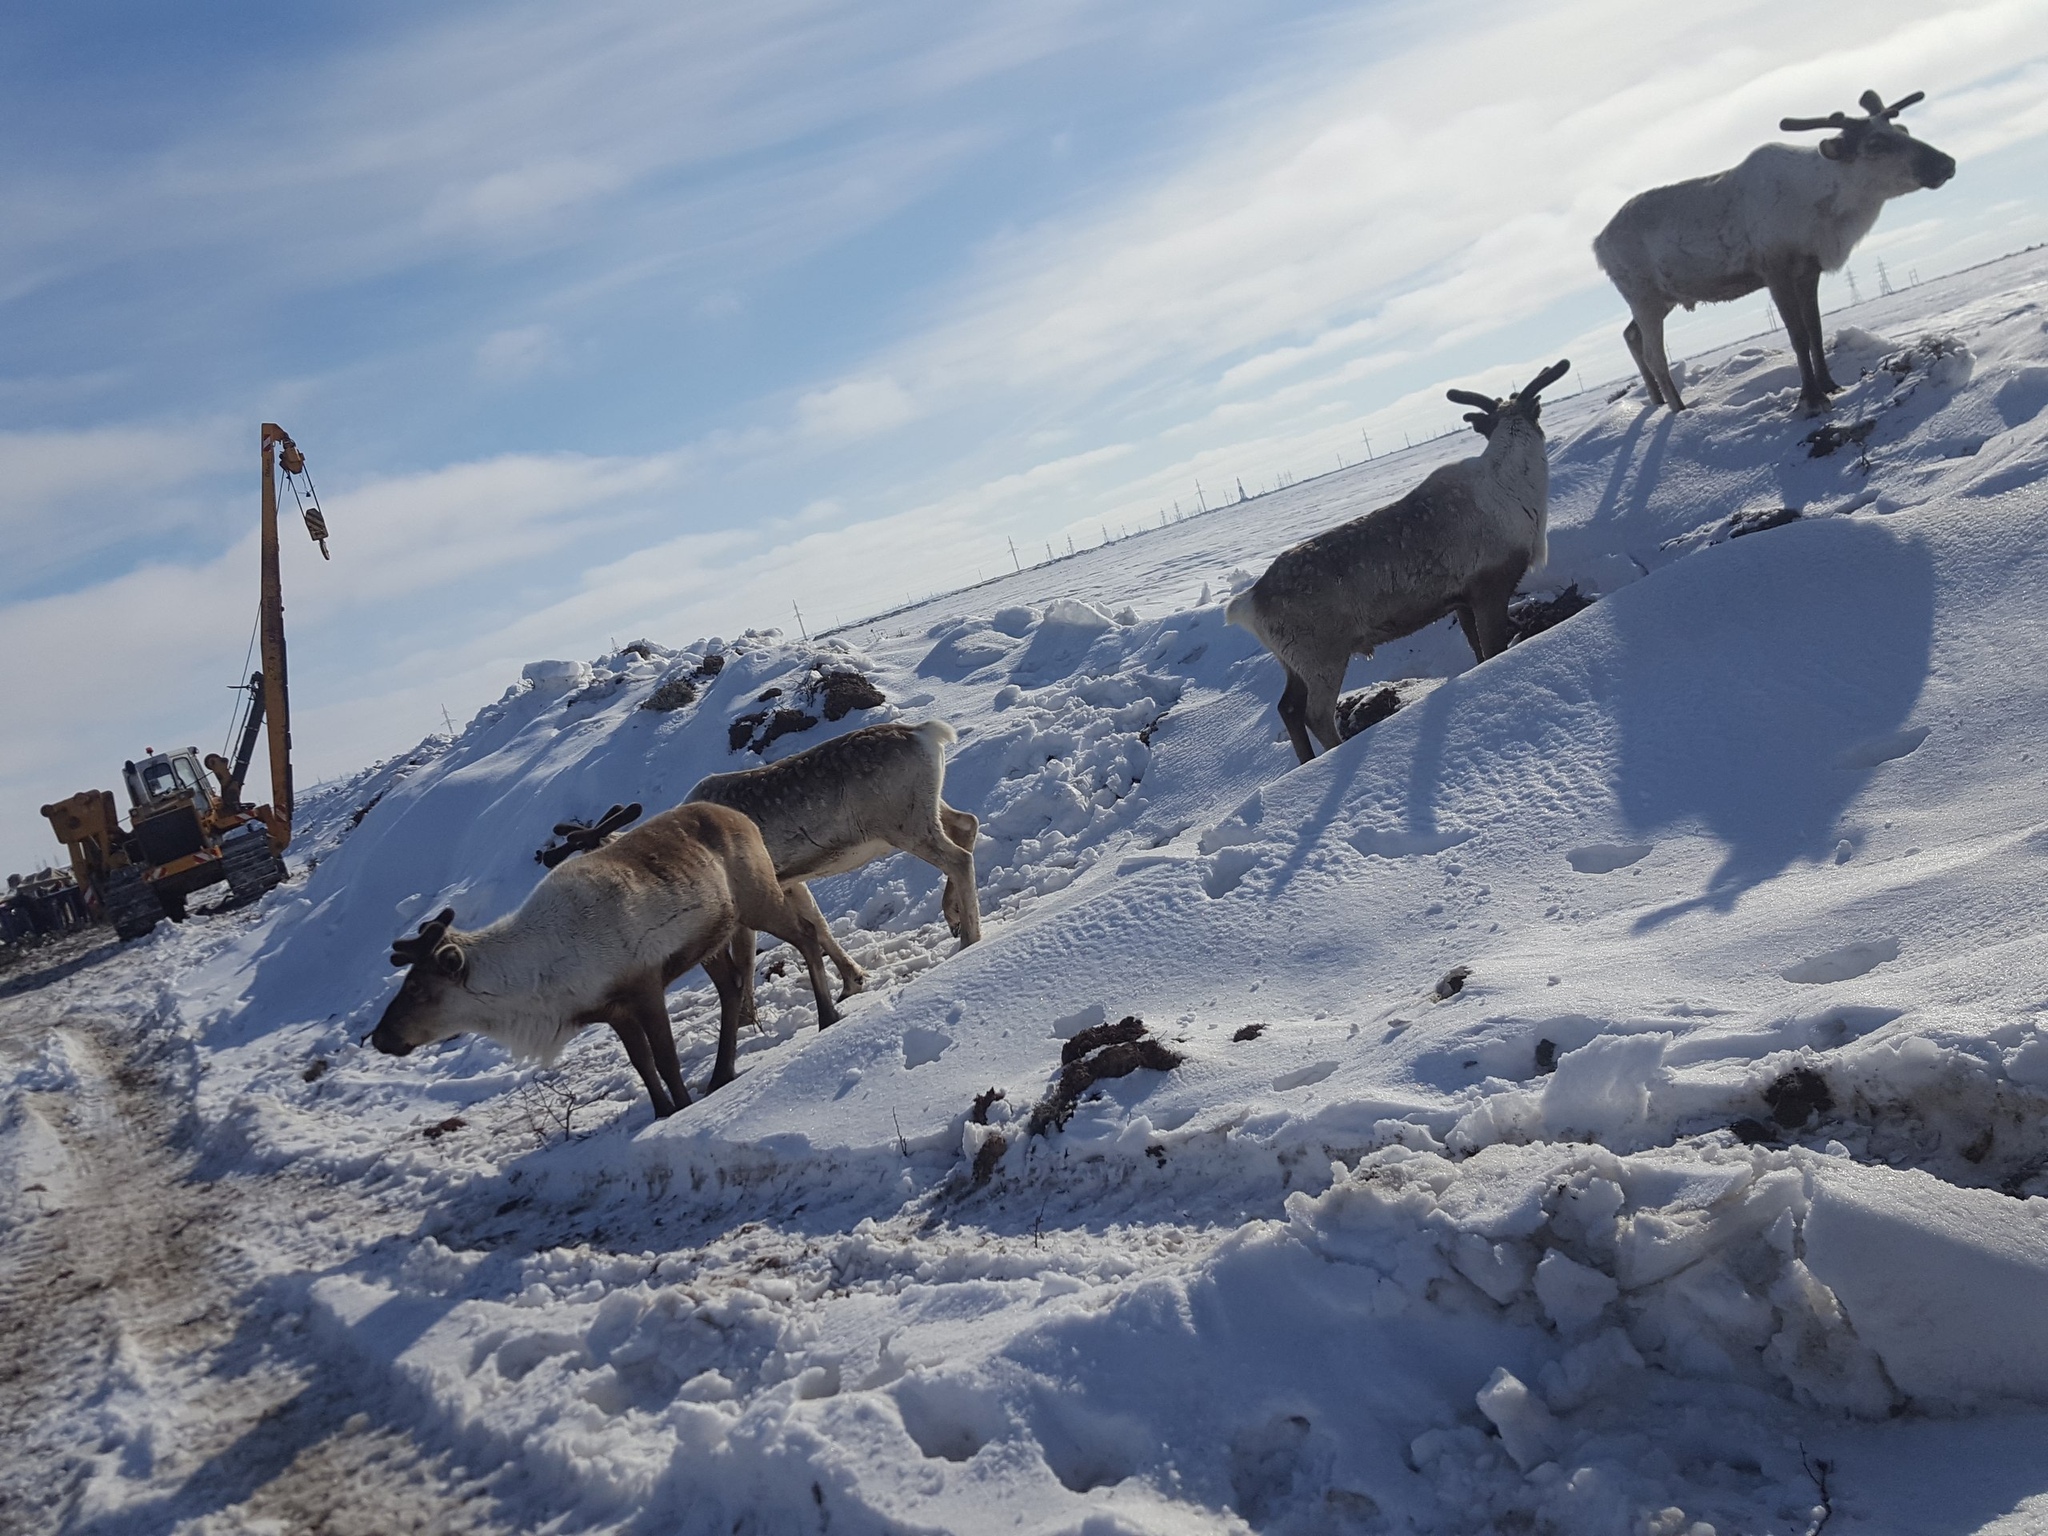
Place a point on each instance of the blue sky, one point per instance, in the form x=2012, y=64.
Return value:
x=613, y=320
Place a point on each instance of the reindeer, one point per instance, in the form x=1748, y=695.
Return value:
x=599, y=941
x=1777, y=221
x=1458, y=543
x=849, y=801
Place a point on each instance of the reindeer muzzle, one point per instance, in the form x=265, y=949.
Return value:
x=388, y=1041
x=1932, y=166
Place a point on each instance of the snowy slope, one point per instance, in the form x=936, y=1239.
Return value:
x=1383, y=1252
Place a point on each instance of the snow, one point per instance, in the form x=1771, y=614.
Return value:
x=1567, y=1242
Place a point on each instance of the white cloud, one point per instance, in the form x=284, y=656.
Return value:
x=855, y=409
x=515, y=355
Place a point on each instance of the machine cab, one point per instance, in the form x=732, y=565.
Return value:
x=163, y=778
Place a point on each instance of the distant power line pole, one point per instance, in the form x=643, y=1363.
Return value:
x=1013, y=556
x=799, y=619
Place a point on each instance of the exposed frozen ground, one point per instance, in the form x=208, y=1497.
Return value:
x=1756, y=841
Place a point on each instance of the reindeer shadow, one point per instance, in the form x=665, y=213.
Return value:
x=1710, y=738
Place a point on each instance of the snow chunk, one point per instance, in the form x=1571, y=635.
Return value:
x=1075, y=614
x=1526, y=1427
x=1573, y=1296
x=1949, y=1286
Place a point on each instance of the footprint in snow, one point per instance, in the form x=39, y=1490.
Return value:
x=1844, y=964
x=1605, y=858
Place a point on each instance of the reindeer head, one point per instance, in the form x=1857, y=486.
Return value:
x=1883, y=147
x=1522, y=408
x=430, y=1004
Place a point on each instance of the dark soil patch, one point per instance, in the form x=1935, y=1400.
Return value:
x=1094, y=1055
x=1798, y=1097
x=444, y=1127
x=1453, y=982
x=1249, y=1032
x=1546, y=1057
x=1532, y=615
x=982, y=1104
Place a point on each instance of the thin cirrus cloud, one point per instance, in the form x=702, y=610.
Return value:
x=645, y=321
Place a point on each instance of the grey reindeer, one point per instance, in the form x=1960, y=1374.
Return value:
x=849, y=801
x=1458, y=543
x=1777, y=221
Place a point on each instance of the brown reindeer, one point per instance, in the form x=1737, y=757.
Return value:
x=600, y=940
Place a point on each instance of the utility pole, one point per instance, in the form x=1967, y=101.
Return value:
x=1201, y=500
x=445, y=720
x=799, y=620
x=1368, y=443
x=1013, y=557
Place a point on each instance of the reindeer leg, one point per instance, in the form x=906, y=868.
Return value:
x=937, y=848
x=1324, y=684
x=1632, y=333
x=1808, y=284
x=731, y=969
x=961, y=829
x=1785, y=293
x=1464, y=613
x=1657, y=366
x=1294, y=714
x=652, y=1008
x=851, y=977
x=627, y=1024
x=1489, y=598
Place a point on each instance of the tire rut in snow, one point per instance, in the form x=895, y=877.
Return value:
x=146, y=1383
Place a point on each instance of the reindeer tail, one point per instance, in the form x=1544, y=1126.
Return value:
x=937, y=735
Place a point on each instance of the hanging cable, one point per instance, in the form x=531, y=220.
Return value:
x=242, y=687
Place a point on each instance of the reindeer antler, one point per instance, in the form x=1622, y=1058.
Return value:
x=576, y=837
x=1545, y=379
x=405, y=952
x=1802, y=124
x=1898, y=106
x=1472, y=397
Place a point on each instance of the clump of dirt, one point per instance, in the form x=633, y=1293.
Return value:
x=442, y=1128
x=995, y=1144
x=1546, y=1057
x=841, y=692
x=1249, y=1032
x=766, y=694
x=355, y=817
x=1105, y=1051
x=1825, y=440
x=1452, y=982
x=316, y=1071
x=1795, y=1099
x=679, y=689
x=1764, y=517
x=672, y=695
x=761, y=728
x=1368, y=707
x=1531, y=616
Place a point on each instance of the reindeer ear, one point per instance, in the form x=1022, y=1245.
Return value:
x=1837, y=149
x=449, y=960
